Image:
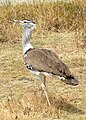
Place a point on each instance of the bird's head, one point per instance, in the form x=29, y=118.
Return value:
x=26, y=24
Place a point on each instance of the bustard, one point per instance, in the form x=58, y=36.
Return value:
x=43, y=61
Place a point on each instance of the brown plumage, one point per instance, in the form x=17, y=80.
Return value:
x=44, y=60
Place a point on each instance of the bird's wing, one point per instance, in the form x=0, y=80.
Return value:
x=44, y=60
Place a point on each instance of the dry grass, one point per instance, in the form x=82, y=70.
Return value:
x=19, y=91
x=61, y=28
x=52, y=16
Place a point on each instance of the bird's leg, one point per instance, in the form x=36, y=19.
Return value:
x=44, y=89
x=43, y=82
x=43, y=85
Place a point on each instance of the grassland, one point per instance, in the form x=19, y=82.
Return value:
x=60, y=28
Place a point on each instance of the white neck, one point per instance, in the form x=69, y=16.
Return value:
x=27, y=47
x=26, y=39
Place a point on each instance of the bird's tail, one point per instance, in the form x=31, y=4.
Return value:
x=71, y=81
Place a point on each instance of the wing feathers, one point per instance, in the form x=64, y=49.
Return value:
x=46, y=61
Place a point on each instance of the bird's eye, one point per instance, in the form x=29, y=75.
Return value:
x=25, y=21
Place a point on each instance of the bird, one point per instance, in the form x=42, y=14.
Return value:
x=42, y=62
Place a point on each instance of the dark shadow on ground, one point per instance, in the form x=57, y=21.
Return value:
x=63, y=104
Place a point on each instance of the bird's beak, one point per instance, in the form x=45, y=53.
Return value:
x=18, y=21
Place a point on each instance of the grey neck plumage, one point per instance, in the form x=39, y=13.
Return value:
x=26, y=40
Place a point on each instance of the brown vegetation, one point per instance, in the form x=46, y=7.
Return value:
x=61, y=28
x=54, y=16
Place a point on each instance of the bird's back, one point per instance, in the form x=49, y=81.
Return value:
x=44, y=60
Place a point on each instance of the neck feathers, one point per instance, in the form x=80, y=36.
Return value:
x=26, y=40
